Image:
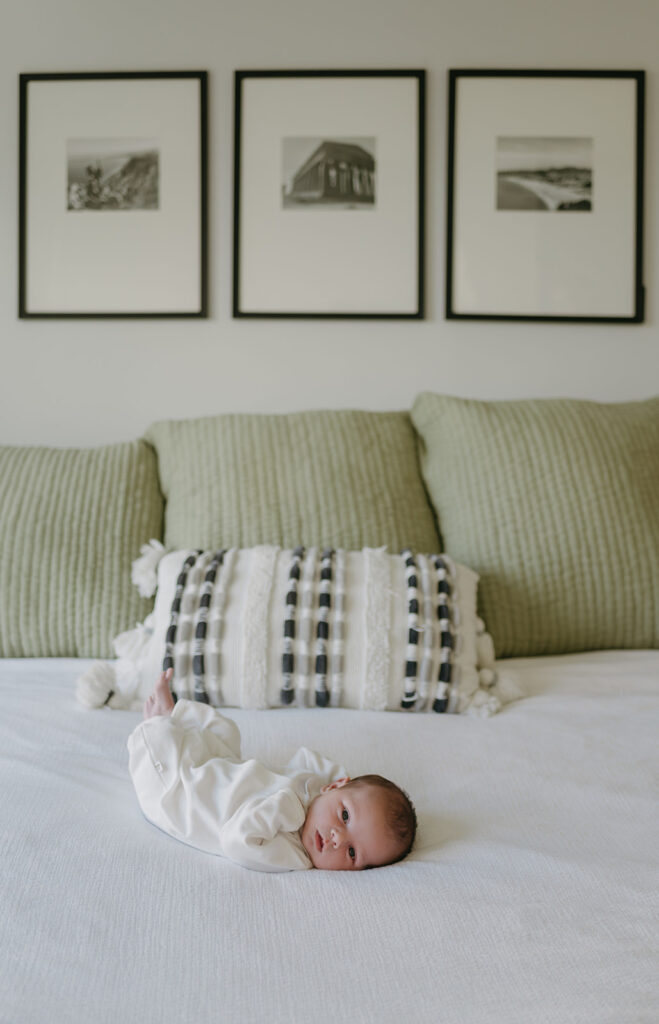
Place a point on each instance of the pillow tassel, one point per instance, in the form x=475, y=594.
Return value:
x=96, y=686
x=134, y=643
x=507, y=688
x=144, y=569
x=108, y=684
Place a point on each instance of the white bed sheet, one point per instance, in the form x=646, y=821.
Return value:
x=531, y=896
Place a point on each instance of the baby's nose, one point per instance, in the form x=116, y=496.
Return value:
x=336, y=838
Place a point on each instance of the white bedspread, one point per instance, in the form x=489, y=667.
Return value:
x=531, y=897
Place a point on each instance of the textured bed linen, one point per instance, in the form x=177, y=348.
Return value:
x=531, y=898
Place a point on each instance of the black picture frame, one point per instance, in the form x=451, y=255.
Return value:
x=113, y=195
x=297, y=251
x=514, y=137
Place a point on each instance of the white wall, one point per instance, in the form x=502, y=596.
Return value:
x=92, y=381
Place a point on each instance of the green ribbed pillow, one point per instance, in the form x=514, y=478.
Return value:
x=71, y=523
x=555, y=503
x=345, y=479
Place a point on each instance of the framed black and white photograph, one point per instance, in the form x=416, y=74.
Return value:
x=112, y=198
x=329, y=194
x=545, y=195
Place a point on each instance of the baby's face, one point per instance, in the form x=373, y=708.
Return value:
x=346, y=830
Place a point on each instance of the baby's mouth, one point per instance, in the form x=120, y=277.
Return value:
x=320, y=843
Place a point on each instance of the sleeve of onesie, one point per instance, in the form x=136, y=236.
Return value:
x=262, y=834
x=175, y=762
x=309, y=762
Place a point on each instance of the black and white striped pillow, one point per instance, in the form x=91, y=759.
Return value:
x=272, y=627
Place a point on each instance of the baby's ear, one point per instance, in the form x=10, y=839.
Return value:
x=336, y=784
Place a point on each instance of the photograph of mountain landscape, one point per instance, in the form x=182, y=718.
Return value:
x=544, y=173
x=112, y=174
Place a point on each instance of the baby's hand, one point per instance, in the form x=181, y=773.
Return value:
x=160, y=702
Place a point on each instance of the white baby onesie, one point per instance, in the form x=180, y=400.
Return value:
x=191, y=782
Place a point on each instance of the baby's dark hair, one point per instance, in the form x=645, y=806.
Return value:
x=400, y=815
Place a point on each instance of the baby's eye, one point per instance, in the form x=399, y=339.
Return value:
x=351, y=851
x=345, y=815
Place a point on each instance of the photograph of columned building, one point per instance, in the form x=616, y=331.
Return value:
x=336, y=173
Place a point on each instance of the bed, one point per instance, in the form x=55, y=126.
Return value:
x=532, y=894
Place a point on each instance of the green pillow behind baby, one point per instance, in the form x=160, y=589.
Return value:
x=71, y=522
x=331, y=478
x=555, y=503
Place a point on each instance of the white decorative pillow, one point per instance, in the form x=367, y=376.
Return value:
x=269, y=627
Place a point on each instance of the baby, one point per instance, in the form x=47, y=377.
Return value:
x=190, y=781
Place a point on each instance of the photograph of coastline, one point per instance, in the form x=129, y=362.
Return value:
x=544, y=173
x=112, y=174
x=523, y=145
x=328, y=173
